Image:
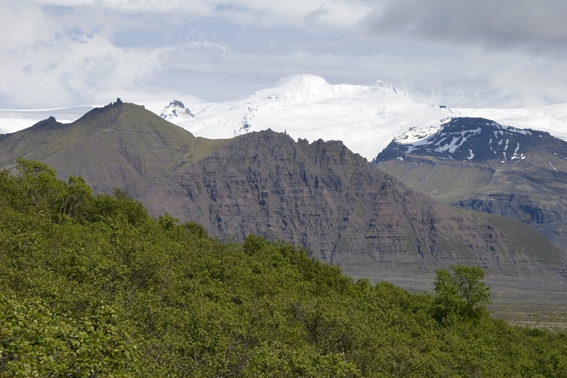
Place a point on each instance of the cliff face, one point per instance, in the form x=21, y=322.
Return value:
x=333, y=202
x=317, y=195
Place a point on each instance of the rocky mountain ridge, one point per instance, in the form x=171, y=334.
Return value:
x=473, y=140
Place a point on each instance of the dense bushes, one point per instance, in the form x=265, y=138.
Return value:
x=94, y=286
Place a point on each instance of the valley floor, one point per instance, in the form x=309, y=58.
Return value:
x=521, y=301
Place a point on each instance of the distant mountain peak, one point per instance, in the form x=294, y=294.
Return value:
x=482, y=165
x=98, y=111
x=49, y=123
x=298, y=82
x=297, y=89
x=467, y=139
x=175, y=109
x=310, y=88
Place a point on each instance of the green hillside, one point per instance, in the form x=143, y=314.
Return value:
x=92, y=286
x=119, y=145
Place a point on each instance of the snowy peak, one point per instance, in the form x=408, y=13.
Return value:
x=468, y=139
x=308, y=89
x=365, y=118
x=385, y=88
x=298, y=89
x=175, y=109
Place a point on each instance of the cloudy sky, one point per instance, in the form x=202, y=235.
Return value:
x=462, y=53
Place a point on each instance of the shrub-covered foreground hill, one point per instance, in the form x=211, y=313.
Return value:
x=92, y=286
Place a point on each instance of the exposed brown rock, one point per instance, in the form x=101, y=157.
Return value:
x=333, y=202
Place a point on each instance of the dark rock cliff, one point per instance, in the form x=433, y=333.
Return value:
x=331, y=201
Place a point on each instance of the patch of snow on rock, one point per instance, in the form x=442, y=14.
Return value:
x=414, y=134
x=175, y=109
x=515, y=155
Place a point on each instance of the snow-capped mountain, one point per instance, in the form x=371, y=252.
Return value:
x=174, y=110
x=365, y=118
x=481, y=165
x=463, y=138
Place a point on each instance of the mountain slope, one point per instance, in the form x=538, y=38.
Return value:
x=121, y=145
x=479, y=164
x=332, y=201
x=321, y=195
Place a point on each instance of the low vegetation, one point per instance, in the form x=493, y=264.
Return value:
x=92, y=286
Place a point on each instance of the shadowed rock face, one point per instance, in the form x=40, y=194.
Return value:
x=333, y=202
x=320, y=196
x=479, y=165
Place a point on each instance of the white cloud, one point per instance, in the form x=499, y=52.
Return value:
x=454, y=52
x=73, y=72
x=57, y=52
x=49, y=61
x=468, y=78
x=21, y=25
x=536, y=26
x=265, y=13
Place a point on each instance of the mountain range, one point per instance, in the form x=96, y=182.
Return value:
x=317, y=195
x=364, y=118
x=270, y=173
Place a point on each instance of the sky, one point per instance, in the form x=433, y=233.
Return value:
x=459, y=53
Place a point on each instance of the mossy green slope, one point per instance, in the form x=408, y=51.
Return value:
x=119, y=145
x=94, y=286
